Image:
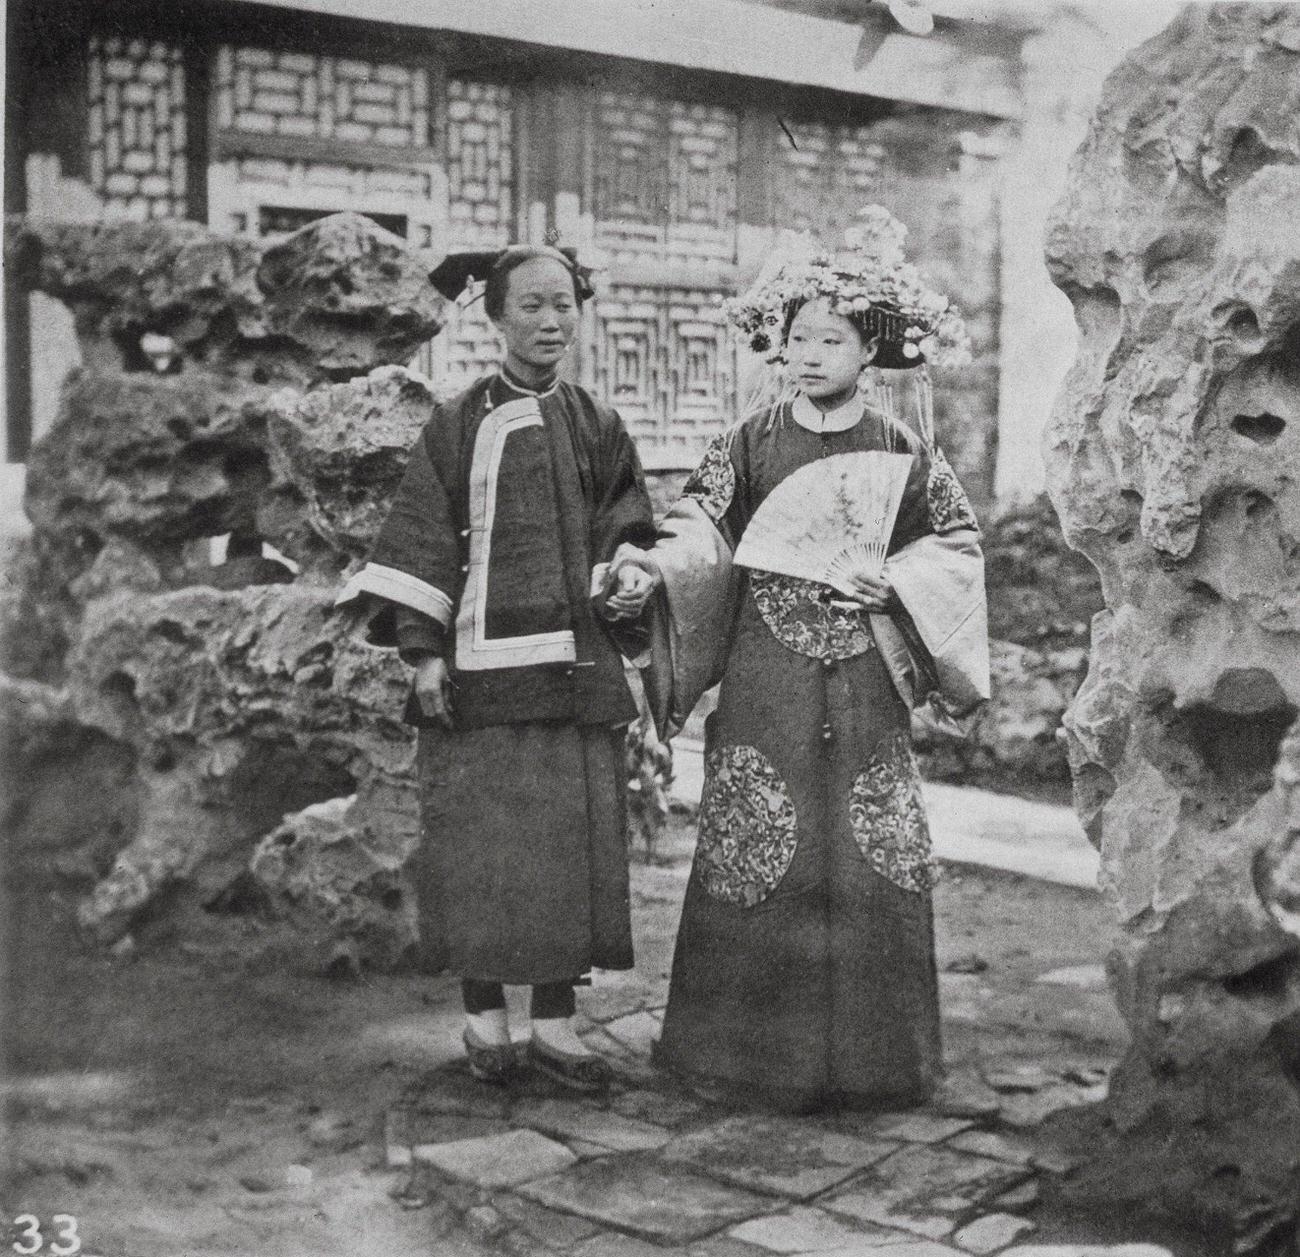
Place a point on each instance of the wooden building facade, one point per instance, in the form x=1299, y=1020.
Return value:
x=675, y=178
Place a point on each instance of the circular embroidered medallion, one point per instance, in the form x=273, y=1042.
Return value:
x=888, y=818
x=801, y=617
x=747, y=827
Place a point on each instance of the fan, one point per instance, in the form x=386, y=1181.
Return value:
x=828, y=518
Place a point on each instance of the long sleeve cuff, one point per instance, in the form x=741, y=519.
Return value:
x=418, y=635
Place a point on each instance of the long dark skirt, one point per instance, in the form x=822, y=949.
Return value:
x=804, y=972
x=521, y=875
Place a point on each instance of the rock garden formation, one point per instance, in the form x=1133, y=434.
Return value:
x=1174, y=462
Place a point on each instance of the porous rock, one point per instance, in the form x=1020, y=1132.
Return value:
x=200, y=707
x=1174, y=461
x=338, y=454
x=242, y=706
x=335, y=299
x=352, y=294
x=321, y=865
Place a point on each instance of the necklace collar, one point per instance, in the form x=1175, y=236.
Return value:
x=841, y=419
x=511, y=383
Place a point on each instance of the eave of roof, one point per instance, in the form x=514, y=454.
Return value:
x=724, y=36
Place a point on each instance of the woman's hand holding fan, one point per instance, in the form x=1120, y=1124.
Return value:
x=870, y=592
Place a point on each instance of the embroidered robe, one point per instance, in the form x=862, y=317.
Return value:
x=510, y=501
x=804, y=969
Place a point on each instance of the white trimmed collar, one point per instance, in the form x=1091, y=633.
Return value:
x=515, y=386
x=841, y=419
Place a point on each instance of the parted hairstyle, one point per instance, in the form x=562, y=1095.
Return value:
x=498, y=278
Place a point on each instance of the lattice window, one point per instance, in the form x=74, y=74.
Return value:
x=304, y=95
x=665, y=359
x=834, y=172
x=136, y=93
x=663, y=183
x=480, y=163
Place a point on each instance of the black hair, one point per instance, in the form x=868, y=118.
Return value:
x=498, y=278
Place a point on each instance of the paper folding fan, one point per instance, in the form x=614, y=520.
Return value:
x=828, y=519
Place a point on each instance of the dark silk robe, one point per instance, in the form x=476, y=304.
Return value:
x=510, y=500
x=804, y=970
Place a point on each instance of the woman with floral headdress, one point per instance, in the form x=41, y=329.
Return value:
x=804, y=971
x=515, y=497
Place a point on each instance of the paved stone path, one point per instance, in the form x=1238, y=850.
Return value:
x=651, y=1169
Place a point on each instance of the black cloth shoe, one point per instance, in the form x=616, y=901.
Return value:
x=489, y=1063
x=588, y=1074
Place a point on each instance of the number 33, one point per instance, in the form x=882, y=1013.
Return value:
x=31, y=1241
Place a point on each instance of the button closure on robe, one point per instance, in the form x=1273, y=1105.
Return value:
x=828, y=734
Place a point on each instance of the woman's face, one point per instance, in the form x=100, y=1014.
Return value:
x=825, y=352
x=539, y=314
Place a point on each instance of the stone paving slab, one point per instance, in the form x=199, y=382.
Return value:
x=1088, y=1250
x=561, y=1230
x=916, y=1128
x=626, y=1064
x=497, y=1160
x=925, y=1189
x=573, y=1120
x=992, y=1232
x=791, y=1157
x=638, y=1031
x=811, y=1230
x=444, y=1128
x=987, y=1143
x=1025, y=1196
x=637, y=1192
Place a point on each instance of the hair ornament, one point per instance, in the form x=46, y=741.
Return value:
x=868, y=280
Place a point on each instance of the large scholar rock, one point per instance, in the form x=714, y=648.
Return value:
x=1174, y=461
x=335, y=299
x=195, y=706
x=240, y=706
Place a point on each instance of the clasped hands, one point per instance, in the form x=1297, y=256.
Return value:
x=630, y=584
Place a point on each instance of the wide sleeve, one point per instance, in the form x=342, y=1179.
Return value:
x=416, y=560
x=940, y=649
x=622, y=512
x=691, y=617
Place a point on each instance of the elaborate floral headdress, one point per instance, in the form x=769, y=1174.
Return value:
x=869, y=281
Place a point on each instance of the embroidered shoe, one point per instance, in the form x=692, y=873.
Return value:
x=586, y=1073
x=489, y=1062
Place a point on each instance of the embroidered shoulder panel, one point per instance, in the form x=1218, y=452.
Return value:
x=747, y=827
x=801, y=617
x=713, y=482
x=887, y=818
x=950, y=508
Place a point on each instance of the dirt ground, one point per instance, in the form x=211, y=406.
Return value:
x=211, y=1092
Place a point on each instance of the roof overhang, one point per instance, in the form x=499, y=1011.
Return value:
x=724, y=36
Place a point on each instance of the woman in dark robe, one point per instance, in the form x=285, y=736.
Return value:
x=515, y=497
x=804, y=971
